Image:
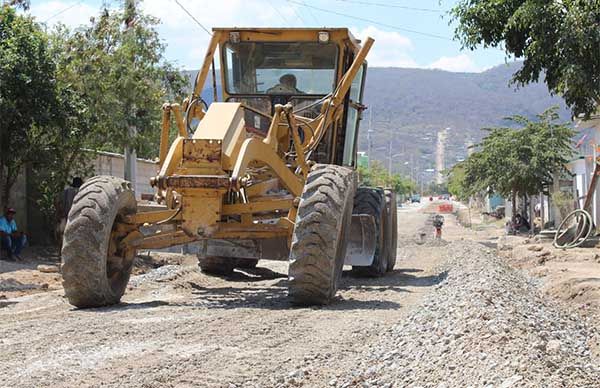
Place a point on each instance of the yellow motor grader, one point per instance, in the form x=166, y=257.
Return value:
x=266, y=173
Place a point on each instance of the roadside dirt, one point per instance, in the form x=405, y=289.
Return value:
x=19, y=278
x=571, y=275
x=179, y=327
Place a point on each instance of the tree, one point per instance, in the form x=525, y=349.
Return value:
x=456, y=182
x=23, y=4
x=519, y=161
x=71, y=90
x=117, y=65
x=557, y=39
x=378, y=176
x=42, y=118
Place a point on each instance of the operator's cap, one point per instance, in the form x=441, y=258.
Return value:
x=10, y=210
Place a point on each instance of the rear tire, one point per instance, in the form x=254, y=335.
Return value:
x=95, y=271
x=391, y=236
x=321, y=234
x=246, y=263
x=215, y=265
x=371, y=201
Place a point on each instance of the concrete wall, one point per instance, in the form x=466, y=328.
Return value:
x=22, y=197
x=108, y=163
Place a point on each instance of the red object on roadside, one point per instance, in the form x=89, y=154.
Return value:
x=445, y=208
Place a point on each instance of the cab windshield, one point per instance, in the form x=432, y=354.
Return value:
x=263, y=68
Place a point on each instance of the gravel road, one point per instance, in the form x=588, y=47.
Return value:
x=450, y=315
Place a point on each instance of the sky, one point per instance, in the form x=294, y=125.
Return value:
x=407, y=33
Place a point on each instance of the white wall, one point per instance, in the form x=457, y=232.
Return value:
x=108, y=163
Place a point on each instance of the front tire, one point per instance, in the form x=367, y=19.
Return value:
x=320, y=235
x=94, y=268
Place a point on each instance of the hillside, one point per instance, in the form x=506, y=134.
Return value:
x=409, y=107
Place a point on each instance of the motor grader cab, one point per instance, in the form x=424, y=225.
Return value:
x=265, y=172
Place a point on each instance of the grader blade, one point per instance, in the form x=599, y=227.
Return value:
x=362, y=241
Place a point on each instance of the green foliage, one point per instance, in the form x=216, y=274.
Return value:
x=71, y=90
x=437, y=188
x=116, y=63
x=517, y=160
x=378, y=176
x=23, y=4
x=564, y=202
x=42, y=124
x=559, y=39
x=456, y=182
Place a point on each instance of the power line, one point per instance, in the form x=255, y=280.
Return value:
x=372, y=21
x=279, y=12
x=298, y=15
x=386, y=5
x=62, y=11
x=193, y=18
x=311, y=13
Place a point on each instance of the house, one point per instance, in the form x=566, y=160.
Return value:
x=584, y=163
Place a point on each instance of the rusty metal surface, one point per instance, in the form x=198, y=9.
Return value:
x=197, y=181
x=202, y=150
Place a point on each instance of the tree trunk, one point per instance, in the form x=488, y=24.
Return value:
x=514, y=203
x=7, y=181
x=4, y=191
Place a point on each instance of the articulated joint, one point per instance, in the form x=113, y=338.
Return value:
x=238, y=183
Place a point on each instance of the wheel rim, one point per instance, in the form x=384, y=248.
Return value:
x=118, y=261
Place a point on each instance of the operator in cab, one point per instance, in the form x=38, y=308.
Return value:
x=287, y=85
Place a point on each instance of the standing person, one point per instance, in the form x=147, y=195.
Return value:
x=12, y=240
x=63, y=207
x=438, y=222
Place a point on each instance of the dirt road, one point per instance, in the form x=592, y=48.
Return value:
x=178, y=327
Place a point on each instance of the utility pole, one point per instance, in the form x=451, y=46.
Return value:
x=130, y=167
x=369, y=145
x=390, y=158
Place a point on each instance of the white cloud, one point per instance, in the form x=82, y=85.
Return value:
x=184, y=38
x=458, y=63
x=187, y=42
x=390, y=49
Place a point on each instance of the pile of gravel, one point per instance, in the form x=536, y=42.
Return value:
x=485, y=325
x=162, y=274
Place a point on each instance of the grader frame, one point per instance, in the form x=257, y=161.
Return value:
x=196, y=168
x=226, y=180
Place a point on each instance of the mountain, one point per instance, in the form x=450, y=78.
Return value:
x=408, y=107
